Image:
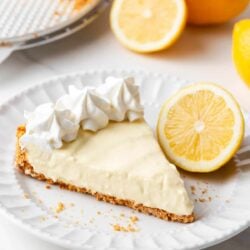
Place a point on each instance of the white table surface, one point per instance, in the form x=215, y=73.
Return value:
x=202, y=54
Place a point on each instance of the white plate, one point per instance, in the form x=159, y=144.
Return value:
x=80, y=226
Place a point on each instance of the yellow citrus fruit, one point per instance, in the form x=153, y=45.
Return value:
x=203, y=12
x=201, y=127
x=146, y=25
x=241, y=49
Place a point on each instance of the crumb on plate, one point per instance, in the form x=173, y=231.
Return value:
x=134, y=219
x=129, y=228
x=204, y=191
x=193, y=189
x=26, y=196
x=202, y=200
x=60, y=207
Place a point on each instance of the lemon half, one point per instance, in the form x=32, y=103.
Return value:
x=146, y=25
x=241, y=49
x=201, y=127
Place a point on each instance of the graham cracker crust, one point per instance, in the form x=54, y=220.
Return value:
x=23, y=166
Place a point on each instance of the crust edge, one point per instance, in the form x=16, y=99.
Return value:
x=24, y=167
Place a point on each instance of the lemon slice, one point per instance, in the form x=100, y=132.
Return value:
x=146, y=25
x=201, y=127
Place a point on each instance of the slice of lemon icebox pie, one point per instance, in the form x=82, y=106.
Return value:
x=96, y=141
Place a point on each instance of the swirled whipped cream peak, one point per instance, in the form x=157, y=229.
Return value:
x=90, y=108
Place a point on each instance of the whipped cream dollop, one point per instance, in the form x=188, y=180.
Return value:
x=91, y=109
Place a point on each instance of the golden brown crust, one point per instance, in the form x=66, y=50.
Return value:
x=24, y=166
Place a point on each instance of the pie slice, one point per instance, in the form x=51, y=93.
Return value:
x=121, y=164
x=96, y=141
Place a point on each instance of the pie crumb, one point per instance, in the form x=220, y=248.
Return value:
x=60, y=207
x=130, y=227
x=117, y=227
x=204, y=191
x=26, y=196
x=92, y=220
x=57, y=13
x=43, y=218
x=127, y=229
x=134, y=219
x=193, y=189
x=48, y=186
x=202, y=200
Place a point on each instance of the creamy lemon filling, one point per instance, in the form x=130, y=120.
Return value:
x=122, y=160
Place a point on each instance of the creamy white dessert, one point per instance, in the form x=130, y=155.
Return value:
x=91, y=109
x=97, y=139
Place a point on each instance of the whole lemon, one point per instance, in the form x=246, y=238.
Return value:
x=241, y=49
x=204, y=12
